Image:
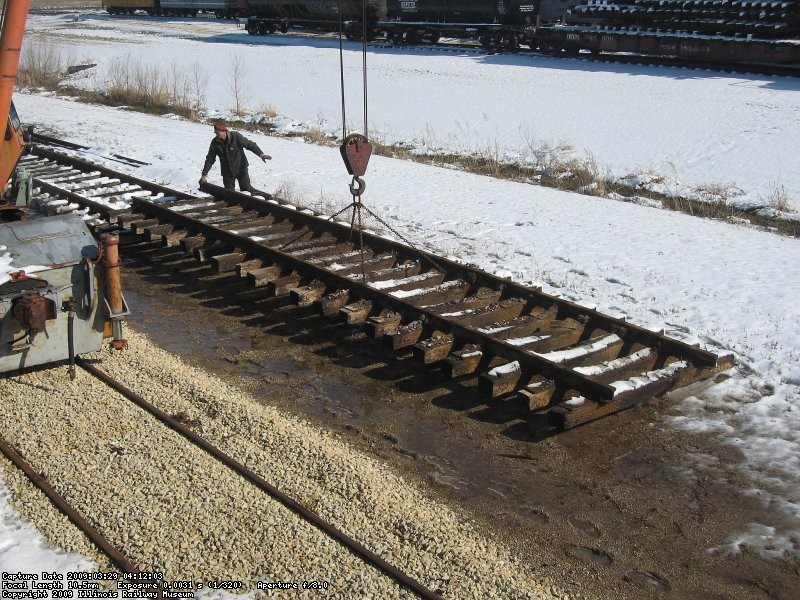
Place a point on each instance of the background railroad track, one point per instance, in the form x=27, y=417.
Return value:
x=556, y=357
x=474, y=48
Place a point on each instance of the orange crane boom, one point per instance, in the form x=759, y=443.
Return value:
x=13, y=29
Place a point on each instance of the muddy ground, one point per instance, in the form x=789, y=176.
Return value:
x=621, y=508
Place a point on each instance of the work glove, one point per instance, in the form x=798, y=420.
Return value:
x=203, y=179
x=266, y=157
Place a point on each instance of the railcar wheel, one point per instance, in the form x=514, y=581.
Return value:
x=509, y=41
x=549, y=48
x=351, y=33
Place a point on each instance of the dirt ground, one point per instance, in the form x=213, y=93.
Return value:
x=624, y=507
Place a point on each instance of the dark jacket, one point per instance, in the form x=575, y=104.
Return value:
x=232, y=160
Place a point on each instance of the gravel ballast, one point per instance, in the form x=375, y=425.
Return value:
x=174, y=509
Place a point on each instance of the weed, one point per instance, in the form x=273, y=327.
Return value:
x=238, y=81
x=315, y=134
x=269, y=111
x=287, y=191
x=777, y=198
x=198, y=85
x=41, y=66
x=326, y=205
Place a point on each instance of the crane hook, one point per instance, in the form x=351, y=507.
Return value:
x=358, y=188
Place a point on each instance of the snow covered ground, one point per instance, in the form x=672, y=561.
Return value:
x=730, y=287
x=686, y=129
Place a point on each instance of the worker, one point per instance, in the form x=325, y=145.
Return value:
x=230, y=146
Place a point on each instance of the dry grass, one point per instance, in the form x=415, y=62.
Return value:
x=777, y=198
x=41, y=65
x=316, y=134
x=716, y=193
x=134, y=83
x=269, y=111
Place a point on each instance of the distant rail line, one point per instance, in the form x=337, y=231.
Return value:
x=556, y=358
x=602, y=57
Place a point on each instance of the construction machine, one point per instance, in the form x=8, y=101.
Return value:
x=55, y=281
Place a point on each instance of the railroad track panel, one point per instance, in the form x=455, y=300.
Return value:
x=552, y=355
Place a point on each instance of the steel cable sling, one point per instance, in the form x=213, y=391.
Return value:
x=355, y=148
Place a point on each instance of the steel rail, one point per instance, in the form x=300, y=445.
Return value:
x=530, y=364
x=41, y=481
x=349, y=542
x=474, y=276
x=41, y=138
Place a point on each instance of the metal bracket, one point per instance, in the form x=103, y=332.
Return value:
x=118, y=316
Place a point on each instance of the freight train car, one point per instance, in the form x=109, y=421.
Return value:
x=223, y=9
x=53, y=284
x=410, y=21
x=269, y=16
x=723, y=32
x=700, y=17
x=717, y=50
x=401, y=21
x=720, y=32
x=495, y=23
